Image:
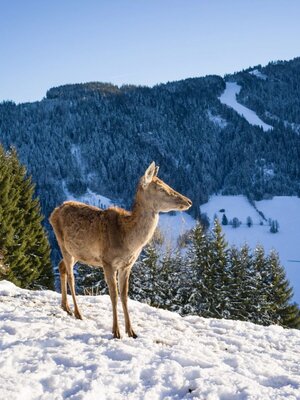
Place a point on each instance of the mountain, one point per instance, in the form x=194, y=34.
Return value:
x=101, y=137
x=47, y=354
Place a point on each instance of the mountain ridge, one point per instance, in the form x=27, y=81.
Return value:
x=203, y=146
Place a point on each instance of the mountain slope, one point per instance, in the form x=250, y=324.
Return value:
x=47, y=354
x=101, y=137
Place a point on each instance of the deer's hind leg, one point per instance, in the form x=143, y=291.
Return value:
x=69, y=262
x=63, y=283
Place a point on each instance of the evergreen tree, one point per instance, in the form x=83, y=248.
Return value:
x=90, y=280
x=144, y=282
x=280, y=294
x=241, y=285
x=224, y=220
x=249, y=222
x=198, y=286
x=23, y=241
x=219, y=272
x=262, y=287
x=274, y=226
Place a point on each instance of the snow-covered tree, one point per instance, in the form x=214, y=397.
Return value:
x=24, y=246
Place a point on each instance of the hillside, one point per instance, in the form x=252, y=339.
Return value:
x=47, y=354
x=100, y=137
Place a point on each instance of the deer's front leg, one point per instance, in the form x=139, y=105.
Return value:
x=123, y=287
x=111, y=280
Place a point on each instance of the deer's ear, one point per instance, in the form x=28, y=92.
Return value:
x=156, y=170
x=149, y=174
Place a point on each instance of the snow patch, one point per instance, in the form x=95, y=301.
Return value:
x=46, y=354
x=90, y=197
x=217, y=120
x=172, y=226
x=258, y=74
x=228, y=98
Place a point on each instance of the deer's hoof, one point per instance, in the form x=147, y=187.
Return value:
x=132, y=334
x=78, y=314
x=116, y=334
x=67, y=309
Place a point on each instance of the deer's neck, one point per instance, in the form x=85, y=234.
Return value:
x=143, y=224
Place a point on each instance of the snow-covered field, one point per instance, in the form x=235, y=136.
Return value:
x=228, y=97
x=172, y=226
x=284, y=209
x=46, y=354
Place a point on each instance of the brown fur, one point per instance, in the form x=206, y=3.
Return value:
x=111, y=239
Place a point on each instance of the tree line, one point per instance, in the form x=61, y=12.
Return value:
x=209, y=279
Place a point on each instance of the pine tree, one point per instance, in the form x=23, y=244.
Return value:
x=241, y=285
x=262, y=287
x=23, y=241
x=280, y=295
x=144, y=281
x=219, y=272
x=224, y=220
x=249, y=222
x=197, y=294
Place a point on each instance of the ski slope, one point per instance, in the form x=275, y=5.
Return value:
x=228, y=97
x=47, y=354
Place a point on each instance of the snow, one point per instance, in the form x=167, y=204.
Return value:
x=217, y=120
x=284, y=209
x=172, y=226
x=228, y=97
x=258, y=74
x=90, y=197
x=46, y=354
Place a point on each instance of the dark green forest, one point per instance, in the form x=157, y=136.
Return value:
x=102, y=137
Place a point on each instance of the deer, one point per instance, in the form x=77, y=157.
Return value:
x=111, y=239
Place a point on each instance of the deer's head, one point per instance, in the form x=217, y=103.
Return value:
x=158, y=195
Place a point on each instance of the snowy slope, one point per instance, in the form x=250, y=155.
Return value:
x=228, y=97
x=46, y=354
x=90, y=197
x=172, y=226
x=284, y=209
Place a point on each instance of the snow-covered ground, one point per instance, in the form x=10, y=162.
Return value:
x=284, y=209
x=228, y=97
x=258, y=74
x=90, y=197
x=48, y=355
x=172, y=226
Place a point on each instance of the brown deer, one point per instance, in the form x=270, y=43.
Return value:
x=111, y=239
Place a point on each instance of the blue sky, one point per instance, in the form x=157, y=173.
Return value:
x=45, y=43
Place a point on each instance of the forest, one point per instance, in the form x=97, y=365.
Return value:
x=100, y=136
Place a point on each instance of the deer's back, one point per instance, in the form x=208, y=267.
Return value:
x=89, y=233
x=79, y=229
